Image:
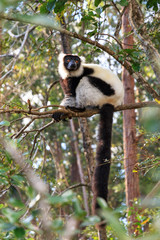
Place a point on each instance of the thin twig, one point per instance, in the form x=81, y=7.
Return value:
x=17, y=56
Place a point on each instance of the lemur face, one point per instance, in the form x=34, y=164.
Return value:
x=72, y=63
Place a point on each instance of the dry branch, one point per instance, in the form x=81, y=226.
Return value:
x=35, y=114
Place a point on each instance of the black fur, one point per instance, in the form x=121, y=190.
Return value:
x=87, y=71
x=72, y=82
x=58, y=116
x=103, y=155
x=104, y=87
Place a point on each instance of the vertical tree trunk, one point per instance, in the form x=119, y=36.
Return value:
x=74, y=173
x=85, y=197
x=88, y=152
x=67, y=49
x=129, y=133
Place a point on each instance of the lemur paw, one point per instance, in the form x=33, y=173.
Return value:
x=58, y=116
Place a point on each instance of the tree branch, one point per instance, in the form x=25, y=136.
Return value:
x=69, y=114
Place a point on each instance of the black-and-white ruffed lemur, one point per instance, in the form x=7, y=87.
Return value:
x=90, y=85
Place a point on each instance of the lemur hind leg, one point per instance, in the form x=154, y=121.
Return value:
x=68, y=101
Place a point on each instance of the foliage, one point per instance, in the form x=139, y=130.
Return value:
x=51, y=153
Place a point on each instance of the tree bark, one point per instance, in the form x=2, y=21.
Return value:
x=129, y=133
x=88, y=152
x=85, y=197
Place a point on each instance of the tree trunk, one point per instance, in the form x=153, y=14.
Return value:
x=88, y=152
x=85, y=197
x=129, y=133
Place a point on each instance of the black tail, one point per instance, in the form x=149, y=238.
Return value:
x=103, y=155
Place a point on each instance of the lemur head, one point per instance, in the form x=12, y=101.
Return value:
x=72, y=62
x=70, y=65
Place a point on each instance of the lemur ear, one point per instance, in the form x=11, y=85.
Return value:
x=61, y=56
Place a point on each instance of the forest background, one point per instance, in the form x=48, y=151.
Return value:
x=46, y=167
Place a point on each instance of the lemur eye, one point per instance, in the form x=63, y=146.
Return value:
x=77, y=61
x=68, y=60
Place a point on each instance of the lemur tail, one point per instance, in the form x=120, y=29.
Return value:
x=103, y=156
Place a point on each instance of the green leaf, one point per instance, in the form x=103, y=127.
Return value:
x=43, y=9
x=97, y=2
x=19, y=232
x=106, y=6
x=18, y=178
x=91, y=221
x=6, y=226
x=136, y=66
x=56, y=200
x=51, y=5
x=151, y=119
x=102, y=202
x=4, y=4
x=4, y=123
x=92, y=33
x=78, y=210
x=16, y=203
x=115, y=224
x=99, y=11
x=30, y=192
x=153, y=3
x=12, y=216
x=123, y=3
x=58, y=224
x=1, y=205
x=60, y=5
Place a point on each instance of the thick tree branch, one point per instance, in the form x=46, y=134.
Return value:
x=34, y=113
x=49, y=23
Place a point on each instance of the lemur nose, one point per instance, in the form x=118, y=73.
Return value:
x=72, y=65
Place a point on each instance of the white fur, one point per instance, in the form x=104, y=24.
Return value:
x=94, y=94
x=87, y=94
x=68, y=101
